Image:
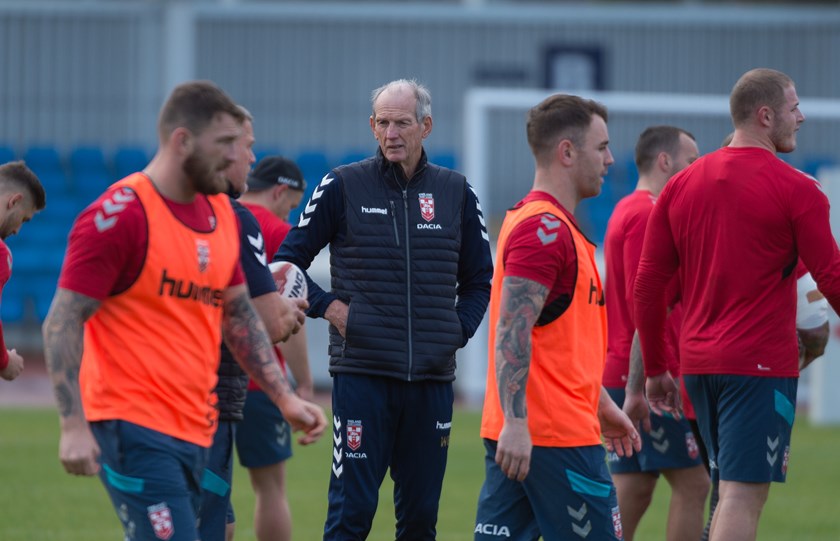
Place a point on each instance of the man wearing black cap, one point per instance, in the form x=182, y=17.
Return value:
x=263, y=441
x=276, y=184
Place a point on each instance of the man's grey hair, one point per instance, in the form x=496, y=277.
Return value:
x=246, y=113
x=421, y=93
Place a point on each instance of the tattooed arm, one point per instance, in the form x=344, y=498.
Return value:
x=247, y=339
x=63, y=333
x=635, y=403
x=521, y=303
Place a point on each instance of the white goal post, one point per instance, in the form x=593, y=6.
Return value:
x=480, y=104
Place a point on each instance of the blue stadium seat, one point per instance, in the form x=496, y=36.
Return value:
x=812, y=164
x=43, y=290
x=88, y=159
x=13, y=306
x=91, y=174
x=7, y=154
x=45, y=161
x=352, y=156
x=129, y=159
x=444, y=159
x=314, y=165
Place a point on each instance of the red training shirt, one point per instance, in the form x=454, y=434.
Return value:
x=732, y=225
x=622, y=252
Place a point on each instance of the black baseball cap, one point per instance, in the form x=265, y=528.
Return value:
x=274, y=170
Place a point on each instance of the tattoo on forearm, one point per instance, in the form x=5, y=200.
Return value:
x=521, y=304
x=63, y=333
x=636, y=372
x=246, y=337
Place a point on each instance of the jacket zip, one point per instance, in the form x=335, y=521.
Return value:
x=394, y=221
x=407, y=282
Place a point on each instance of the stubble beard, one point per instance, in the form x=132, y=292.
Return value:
x=205, y=180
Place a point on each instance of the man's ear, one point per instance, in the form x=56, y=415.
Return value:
x=565, y=151
x=427, y=126
x=183, y=140
x=663, y=161
x=277, y=191
x=13, y=200
x=765, y=115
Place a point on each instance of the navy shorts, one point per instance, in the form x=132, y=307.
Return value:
x=263, y=437
x=669, y=445
x=746, y=422
x=216, y=510
x=568, y=494
x=153, y=480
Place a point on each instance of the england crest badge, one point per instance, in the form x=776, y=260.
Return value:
x=161, y=518
x=427, y=206
x=354, y=434
x=202, y=248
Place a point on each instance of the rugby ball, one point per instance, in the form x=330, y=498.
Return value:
x=290, y=280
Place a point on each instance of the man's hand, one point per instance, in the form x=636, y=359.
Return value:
x=305, y=416
x=15, y=366
x=617, y=429
x=336, y=314
x=812, y=344
x=77, y=449
x=663, y=395
x=637, y=409
x=513, y=452
x=294, y=314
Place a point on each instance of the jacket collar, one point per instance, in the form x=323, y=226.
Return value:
x=389, y=168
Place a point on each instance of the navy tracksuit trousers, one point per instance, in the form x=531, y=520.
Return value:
x=381, y=423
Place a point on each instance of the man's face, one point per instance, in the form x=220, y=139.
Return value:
x=786, y=122
x=685, y=155
x=19, y=210
x=593, y=158
x=237, y=171
x=213, y=151
x=396, y=128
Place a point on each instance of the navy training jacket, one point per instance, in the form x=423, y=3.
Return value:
x=411, y=258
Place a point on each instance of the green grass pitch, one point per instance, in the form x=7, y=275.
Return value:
x=39, y=502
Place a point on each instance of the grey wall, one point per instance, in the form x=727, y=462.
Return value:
x=97, y=72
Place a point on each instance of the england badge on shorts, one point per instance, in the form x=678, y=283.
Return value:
x=616, y=520
x=161, y=519
x=785, y=460
x=427, y=206
x=691, y=445
x=354, y=434
x=202, y=248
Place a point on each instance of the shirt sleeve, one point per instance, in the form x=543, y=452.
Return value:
x=5, y=274
x=252, y=254
x=106, y=246
x=534, y=253
x=318, y=225
x=815, y=242
x=475, y=267
x=634, y=238
x=657, y=265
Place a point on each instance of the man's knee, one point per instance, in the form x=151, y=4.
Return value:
x=690, y=483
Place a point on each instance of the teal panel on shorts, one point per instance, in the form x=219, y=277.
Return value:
x=215, y=484
x=785, y=408
x=585, y=485
x=122, y=482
